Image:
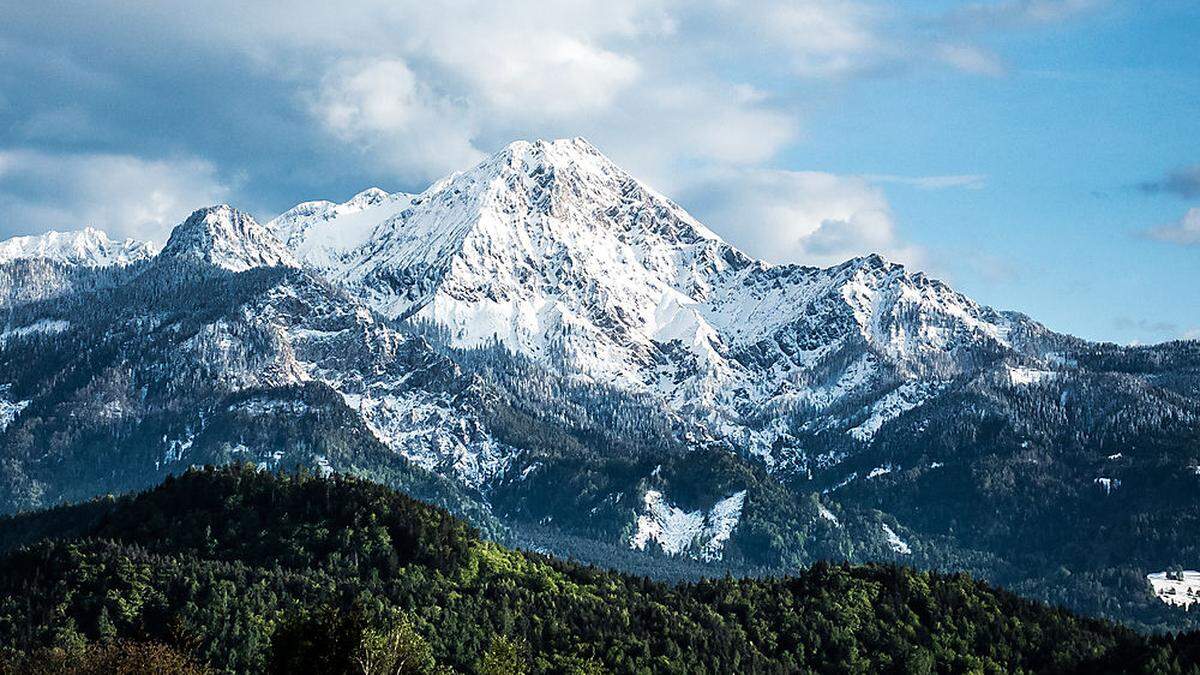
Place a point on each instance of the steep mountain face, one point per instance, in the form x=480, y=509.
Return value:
x=220, y=349
x=551, y=348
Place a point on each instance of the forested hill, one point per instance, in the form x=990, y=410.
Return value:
x=240, y=570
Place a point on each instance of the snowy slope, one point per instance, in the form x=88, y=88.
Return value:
x=299, y=329
x=320, y=233
x=88, y=247
x=698, y=534
x=1181, y=588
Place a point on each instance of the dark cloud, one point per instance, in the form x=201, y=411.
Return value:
x=81, y=85
x=1183, y=182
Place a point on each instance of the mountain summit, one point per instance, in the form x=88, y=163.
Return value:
x=555, y=252
x=227, y=238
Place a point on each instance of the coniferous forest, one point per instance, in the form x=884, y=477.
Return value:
x=237, y=569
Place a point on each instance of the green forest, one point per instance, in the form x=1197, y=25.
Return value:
x=240, y=570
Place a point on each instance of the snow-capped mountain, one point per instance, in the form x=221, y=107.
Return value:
x=558, y=254
x=47, y=266
x=299, y=330
x=229, y=239
x=208, y=352
x=88, y=247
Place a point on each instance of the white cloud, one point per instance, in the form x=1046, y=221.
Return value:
x=1185, y=232
x=803, y=216
x=990, y=15
x=822, y=37
x=554, y=75
x=123, y=195
x=381, y=108
x=532, y=59
x=727, y=124
x=964, y=181
x=971, y=59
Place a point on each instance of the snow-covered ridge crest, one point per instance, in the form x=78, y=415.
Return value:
x=227, y=238
x=321, y=233
x=88, y=247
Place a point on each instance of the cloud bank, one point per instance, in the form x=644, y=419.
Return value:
x=141, y=108
x=123, y=195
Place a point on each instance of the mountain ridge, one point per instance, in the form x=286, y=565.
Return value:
x=88, y=247
x=558, y=254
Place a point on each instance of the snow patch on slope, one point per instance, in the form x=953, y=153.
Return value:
x=895, y=542
x=1183, y=590
x=432, y=435
x=825, y=513
x=897, y=402
x=9, y=409
x=879, y=471
x=694, y=533
x=1026, y=376
x=43, y=326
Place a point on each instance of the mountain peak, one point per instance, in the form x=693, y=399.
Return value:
x=578, y=144
x=561, y=154
x=88, y=247
x=224, y=237
x=372, y=196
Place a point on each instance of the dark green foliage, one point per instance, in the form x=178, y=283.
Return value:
x=245, y=570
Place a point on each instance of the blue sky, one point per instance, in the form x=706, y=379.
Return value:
x=1040, y=155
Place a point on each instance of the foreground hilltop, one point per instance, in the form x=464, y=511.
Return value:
x=242, y=570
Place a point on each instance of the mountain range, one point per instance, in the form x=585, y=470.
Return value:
x=566, y=358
